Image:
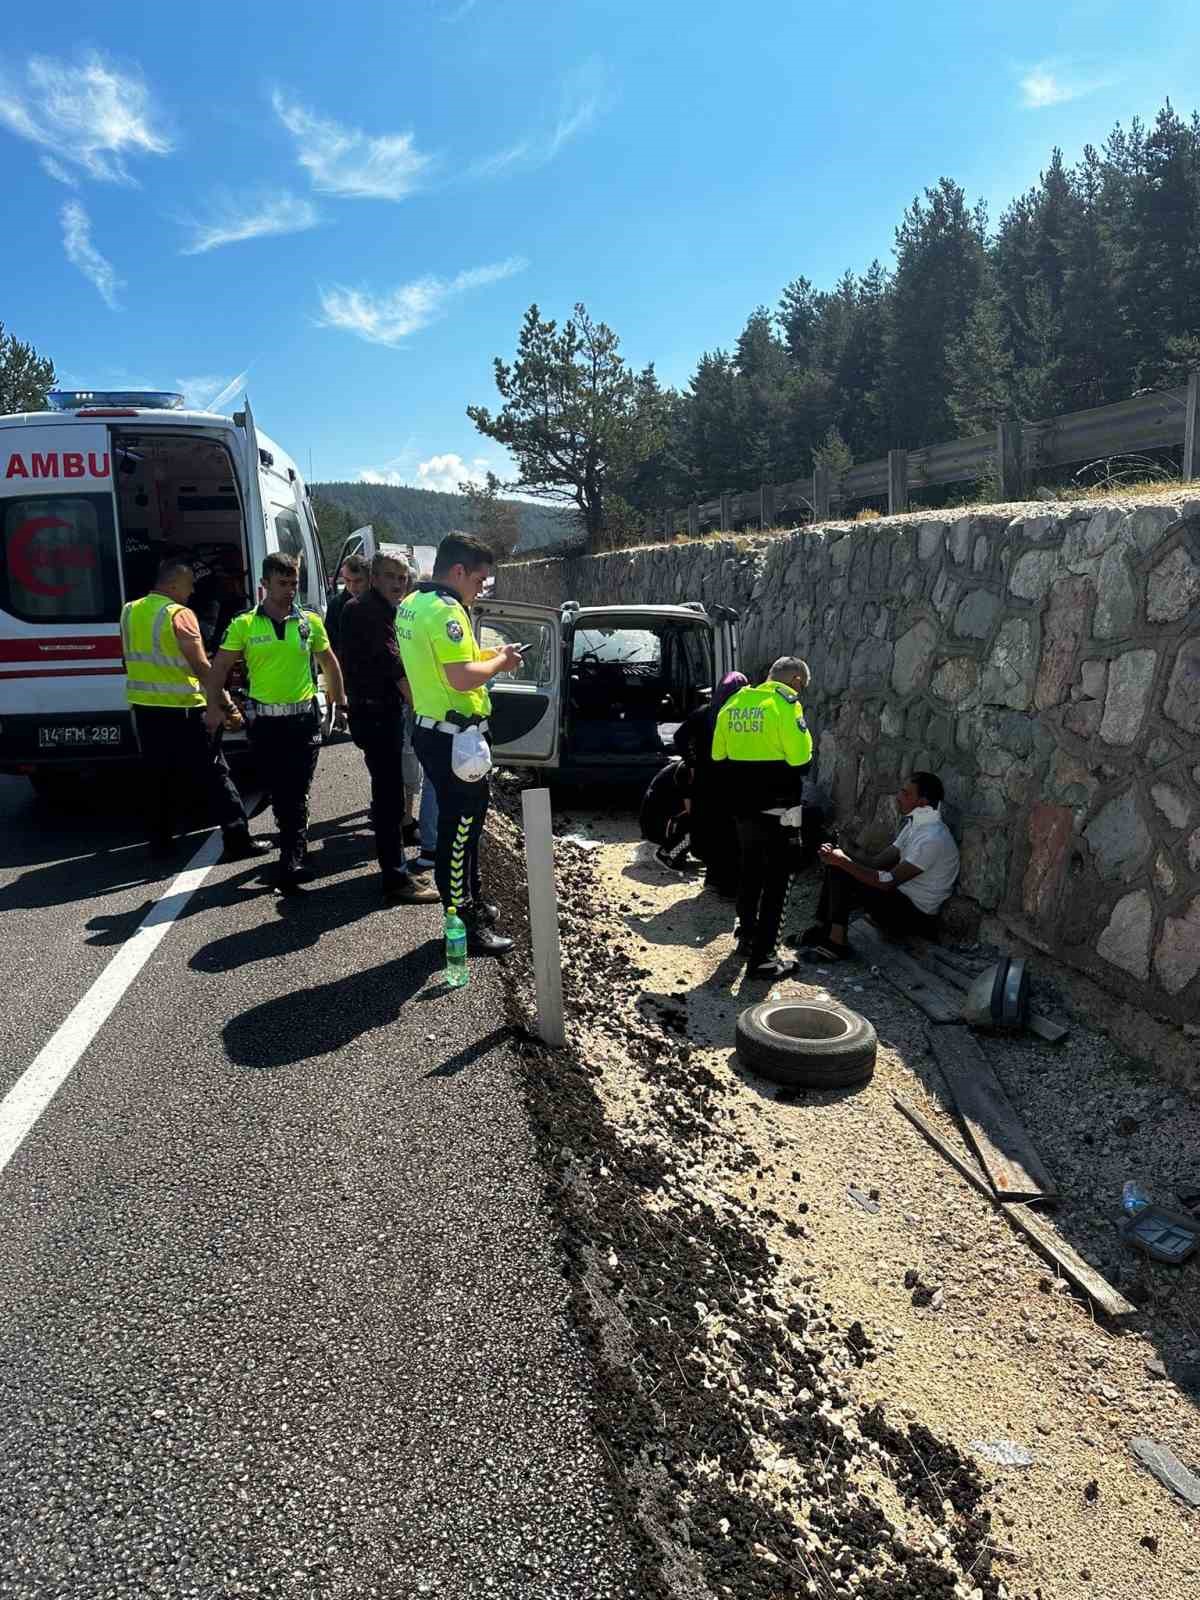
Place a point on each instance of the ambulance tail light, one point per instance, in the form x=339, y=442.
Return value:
x=86, y=401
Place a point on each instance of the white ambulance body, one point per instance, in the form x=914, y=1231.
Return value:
x=92, y=497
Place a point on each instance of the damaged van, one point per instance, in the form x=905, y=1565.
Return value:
x=93, y=495
x=601, y=689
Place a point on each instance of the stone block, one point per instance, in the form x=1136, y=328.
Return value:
x=1160, y=750
x=1083, y=720
x=1148, y=524
x=956, y=681
x=983, y=872
x=939, y=733
x=841, y=552
x=945, y=594
x=1093, y=681
x=981, y=555
x=1125, y=942
x=977, y=611
x=1069, y=782
x=912, y=586
x=1065, y=627
x=1009, y=676
x=1173, y=587
x=960, y=540
x=881, y=553
x=1033, y=574
x=1182, y=704
x=1087, y=540
x=903, y=553
x=891, y=721
x=1164, y=875
x=1176, y=807
x=1116, y=596
x=914, y=723
x=1130, y=678
x=1193, y=851
x=1177, y=959
x=1119, y=838
x=914, y=656
x=1049, y=830
x=931, y=538
x=870, y=664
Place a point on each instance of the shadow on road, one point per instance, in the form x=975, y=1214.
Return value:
x=327, y=1017
x=471, y=1053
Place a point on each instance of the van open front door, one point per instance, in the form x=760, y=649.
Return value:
x=526, y=704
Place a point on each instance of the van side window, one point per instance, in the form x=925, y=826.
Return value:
x=58, y=559
x=538, y=638
x=291, y=543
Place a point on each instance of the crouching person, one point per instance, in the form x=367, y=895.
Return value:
x=902, y=888
x=761, y=748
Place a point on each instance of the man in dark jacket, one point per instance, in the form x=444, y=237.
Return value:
x=762, y=747
x=375, y=685
x=356, y=578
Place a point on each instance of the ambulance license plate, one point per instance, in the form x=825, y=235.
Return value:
x=78, y=736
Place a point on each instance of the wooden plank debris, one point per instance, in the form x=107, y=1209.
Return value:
x=1038, y=1230
x=993, y=1128
x=937, y=999
x=1045, y=1027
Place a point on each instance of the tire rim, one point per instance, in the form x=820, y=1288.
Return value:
x=812, y=1024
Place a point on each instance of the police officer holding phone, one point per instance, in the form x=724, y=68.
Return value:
x=280, y=643
x=448, y=674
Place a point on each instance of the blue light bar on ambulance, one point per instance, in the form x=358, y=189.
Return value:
x=142, y=399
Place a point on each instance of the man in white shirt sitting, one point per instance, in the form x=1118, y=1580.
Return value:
x=902, y=888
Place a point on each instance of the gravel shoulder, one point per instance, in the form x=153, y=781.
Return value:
x=712, y=1226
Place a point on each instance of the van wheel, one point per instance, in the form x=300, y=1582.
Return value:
x=807, y=1044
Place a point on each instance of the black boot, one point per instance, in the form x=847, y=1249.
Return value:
x=488, y=912
x=483, y=940
x=239, y=846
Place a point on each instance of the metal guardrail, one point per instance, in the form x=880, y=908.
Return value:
x=1013, y=452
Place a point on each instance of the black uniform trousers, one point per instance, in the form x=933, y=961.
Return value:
x=285, y=752
x=378, y=731
x=768, y=855
x=461, y=810
x=182, y=764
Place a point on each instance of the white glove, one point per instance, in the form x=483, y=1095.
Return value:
x=792, y=817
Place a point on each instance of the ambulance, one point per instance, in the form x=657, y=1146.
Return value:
x=93, y=495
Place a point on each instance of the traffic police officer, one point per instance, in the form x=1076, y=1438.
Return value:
x=280, y=642
x=763, y=739
x=448, y=674
x=166, y=670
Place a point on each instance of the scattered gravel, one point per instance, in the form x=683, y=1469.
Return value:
x=788, y=1386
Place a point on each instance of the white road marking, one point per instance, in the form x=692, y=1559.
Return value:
x=54, y=1063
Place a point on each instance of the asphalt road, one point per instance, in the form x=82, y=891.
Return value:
x=281, y=1311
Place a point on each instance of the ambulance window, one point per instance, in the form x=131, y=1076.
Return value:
x=59, y=559
x=291, y=542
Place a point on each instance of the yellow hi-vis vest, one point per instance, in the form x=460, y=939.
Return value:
x=156, y=673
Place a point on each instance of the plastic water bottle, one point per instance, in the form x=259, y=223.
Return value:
x=1135, y=1197
x=457, y=972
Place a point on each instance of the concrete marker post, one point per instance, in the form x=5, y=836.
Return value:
x=543, y=916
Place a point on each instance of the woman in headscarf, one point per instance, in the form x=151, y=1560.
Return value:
x=713, y=833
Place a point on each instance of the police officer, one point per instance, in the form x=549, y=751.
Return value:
x=762, y=746
x=280, y=642
x=448, y=674
x=166, y=671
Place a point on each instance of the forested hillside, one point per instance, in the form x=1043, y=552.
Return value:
x=1084, y=291
x=420, y=516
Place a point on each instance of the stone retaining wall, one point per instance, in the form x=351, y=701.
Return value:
x=1046, y=664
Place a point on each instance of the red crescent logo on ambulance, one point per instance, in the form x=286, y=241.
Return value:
x=22, y=560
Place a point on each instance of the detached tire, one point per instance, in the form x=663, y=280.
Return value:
x=807, y=1044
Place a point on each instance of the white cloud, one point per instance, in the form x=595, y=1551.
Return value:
x=442, y=472
x=585, y=95
x=1041, y=87
x=235, y=220
x=209, y=393
x=389, y=318
x=91, y=115
x=55, y=169
x=345, y=161
x=82, y=253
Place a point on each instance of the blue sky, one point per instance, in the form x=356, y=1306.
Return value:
x=346, y=210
